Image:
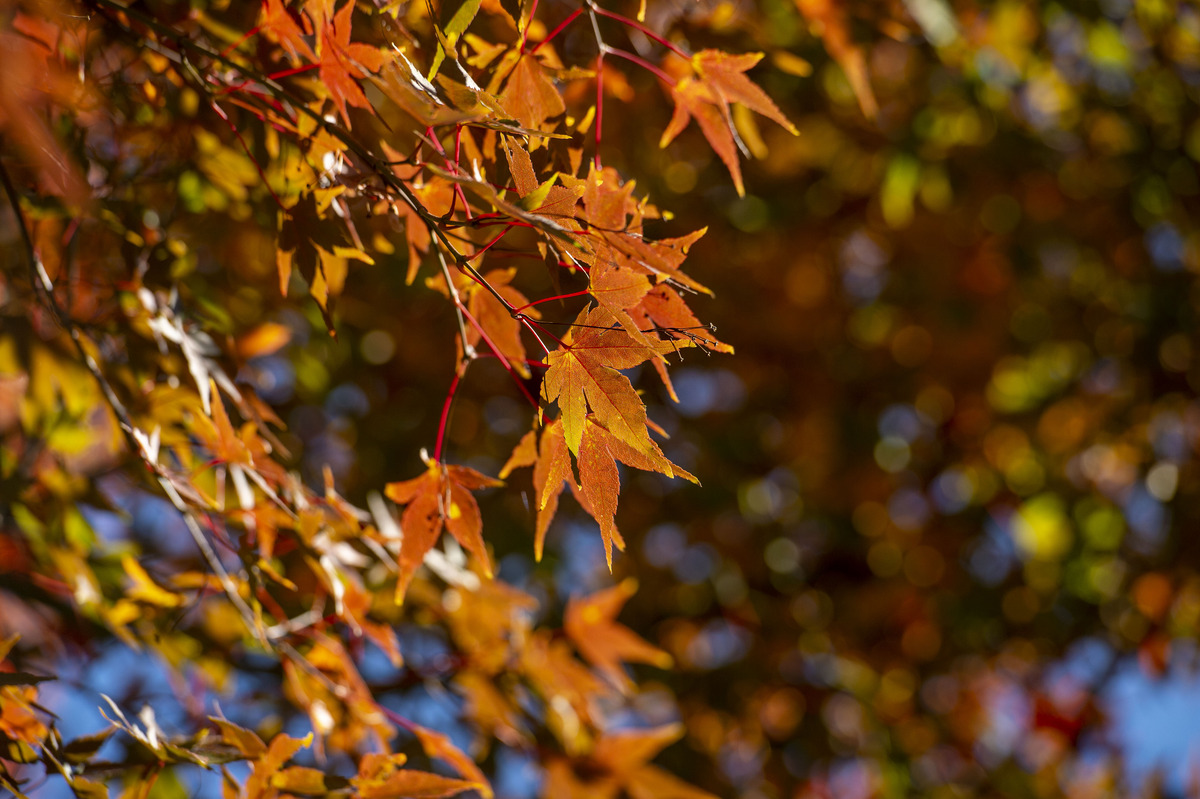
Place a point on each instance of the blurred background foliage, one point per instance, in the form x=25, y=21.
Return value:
x=943, y=545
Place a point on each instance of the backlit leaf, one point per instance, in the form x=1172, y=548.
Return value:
x=440, y=496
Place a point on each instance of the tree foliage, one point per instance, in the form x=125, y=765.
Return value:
x=314, y=312
x=158, y=156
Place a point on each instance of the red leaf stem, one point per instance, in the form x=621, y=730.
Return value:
x=221, y=113
x=450, y=165
x=644, y=64
x=284, y=73
x=252, y=32
x=441, y=433
x=496, y=351
x=524, y=33
x=557, y=30
x=555, y=297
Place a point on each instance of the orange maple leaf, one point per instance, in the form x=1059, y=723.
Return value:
x=503, y=330
x=343, y=61
x=551, y=471
x=661, y=260
x=440, y=496
x=545, y=199
x=494, y=318
x=583, y=374
x=490, y=709
x=568, y=687
x=618, y=289
x=530, y=96
x=607, y=199
x=695, y=99
x=590, y=623
x=720, y=80
x=599, y=481
x=277, y=21
x=281, y=750
x=488, y=623
x=725, y=73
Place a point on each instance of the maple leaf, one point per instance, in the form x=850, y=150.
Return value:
x=552, y=470
x=563, y=783
x=660, y=259
x=546, y=199
x=694, y=99
x=490, y=709
x=440, y=496
x=590, y=623
x=720, y=80
x=599, y=481
x=607, y=200
x=583, y=374
x=436, y=194
x=330, y=277
x=617, y=289
x=343, y=718
x=725, y=73
x=501, y=328
x=279, y=23
x=487, y=623
x=520, y=166
x=281, y=750
x=343, y=61
x=530, y=96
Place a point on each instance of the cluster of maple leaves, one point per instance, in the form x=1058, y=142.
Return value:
x=490, y=149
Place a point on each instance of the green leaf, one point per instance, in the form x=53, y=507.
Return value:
x=456, y=27
x=536, y=198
